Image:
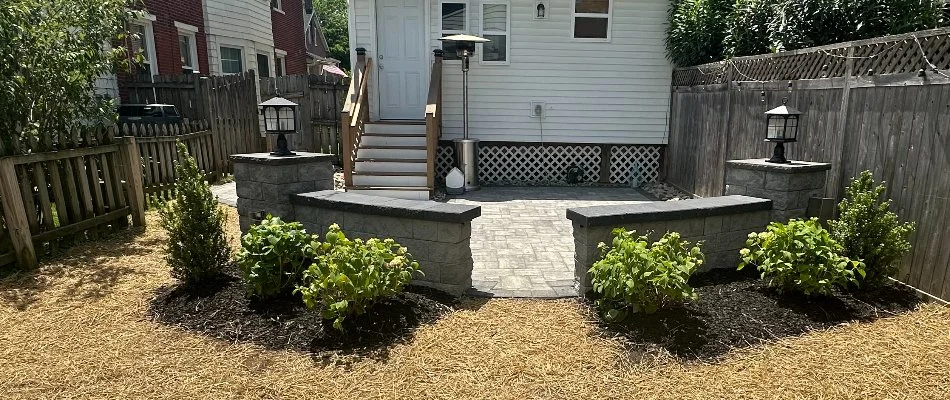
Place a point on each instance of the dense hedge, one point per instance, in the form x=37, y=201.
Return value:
x=702, y=31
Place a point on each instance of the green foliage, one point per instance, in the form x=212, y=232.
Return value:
x=800, y=256
x=702, y=31
x=335, y=25
x=868, y=230
x=197, y=247
x=51, y=53
x=347, y=276
x=697, y=31
x=274, y=255
x=636, y=276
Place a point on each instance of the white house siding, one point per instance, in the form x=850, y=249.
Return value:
x=244, y=24
x=614, y=92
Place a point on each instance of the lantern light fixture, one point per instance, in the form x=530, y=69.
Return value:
x=541, y=10
x=280, y=118
x=782, y=127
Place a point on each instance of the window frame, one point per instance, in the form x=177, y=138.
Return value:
x=149, y=49
x=280, y=60
x=446, y=32
x=608, y=16
x=242, y=60
x=279, y=6
x=506, y=33
x=190, y=32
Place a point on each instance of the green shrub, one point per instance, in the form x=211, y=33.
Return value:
x=347, y=276
x=197, y=247
x=800, y=256
x=634, y=275
x=274, y=255
x=868, y=230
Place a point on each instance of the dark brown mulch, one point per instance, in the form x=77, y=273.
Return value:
x=225, y=312
x=736, y=309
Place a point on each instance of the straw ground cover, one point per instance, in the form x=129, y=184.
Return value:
x=79, y=329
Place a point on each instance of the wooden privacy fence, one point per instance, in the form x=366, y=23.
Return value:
x=234, y=119
x=189, y=93
x=81, y=191
x=895, y=125
x=321, y=100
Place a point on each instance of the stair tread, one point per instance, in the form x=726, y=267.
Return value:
x=397, y=147
x=398, y=122
x=388, y=173
x=392, y=160
x=396, y=135
x=408, y=188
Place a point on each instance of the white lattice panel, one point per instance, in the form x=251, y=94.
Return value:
x=444, y=160
x=536, y=163
x=638, y=162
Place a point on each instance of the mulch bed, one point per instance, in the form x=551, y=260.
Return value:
x=225, y=312
x=736, y=309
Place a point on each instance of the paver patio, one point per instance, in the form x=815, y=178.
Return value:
x=523, y=245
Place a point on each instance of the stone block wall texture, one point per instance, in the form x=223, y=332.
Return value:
x=265, y=183
x=437, y=235
x=721, y=223
x=789, y=186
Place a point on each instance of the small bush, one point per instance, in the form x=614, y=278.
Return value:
x=347, y=276
x=868, y=230
x=197, y=247
x=800, y=256
x=640, y=277
x=274, y=255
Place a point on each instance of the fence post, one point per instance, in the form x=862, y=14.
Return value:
x=132, y=170
x=14, y=214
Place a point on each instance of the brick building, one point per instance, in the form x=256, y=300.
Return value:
x=290, y=46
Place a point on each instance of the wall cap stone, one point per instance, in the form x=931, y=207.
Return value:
x=616, y=215
x=793, y=167
x=389, y=207
x=268, y=159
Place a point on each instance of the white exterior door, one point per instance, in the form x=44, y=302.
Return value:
x=401, y=60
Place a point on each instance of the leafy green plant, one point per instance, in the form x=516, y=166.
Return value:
x=868, y=230
x=348, y=275
x=800, y=256
x=274, y=255
x=634, y=275
x=697, y=31
x=197, y=247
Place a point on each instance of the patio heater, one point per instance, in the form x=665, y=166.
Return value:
x=280, y=118
x=466, y=149
x=782, y=128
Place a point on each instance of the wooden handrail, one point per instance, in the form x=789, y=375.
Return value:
x=433, y=119
x=355, y=115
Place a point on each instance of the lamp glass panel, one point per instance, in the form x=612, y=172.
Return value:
x=791, y=127
x=270, y=119
x=286, y=119
x=776, y=128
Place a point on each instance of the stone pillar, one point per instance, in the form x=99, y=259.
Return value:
x=789, y=186
x=265, y=183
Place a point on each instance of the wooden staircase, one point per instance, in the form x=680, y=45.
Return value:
x=390, y=158
x=391, y=161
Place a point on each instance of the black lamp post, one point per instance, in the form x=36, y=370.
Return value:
x=782, y=128
x=280, y=118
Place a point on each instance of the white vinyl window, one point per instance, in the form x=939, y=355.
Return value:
x=187, y=47
x=591, y=20
x=263, y=65
x=454, y=21
x=496, y=25
x=277, y=5
x=232, y=60
x=143, y=43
